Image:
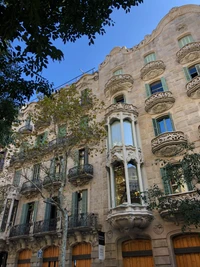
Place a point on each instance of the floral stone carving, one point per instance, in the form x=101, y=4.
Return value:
x=193, y=87
x=168, y=144
x=188, y=53
x=152, y=70
x=121, y=107
x=159, y=102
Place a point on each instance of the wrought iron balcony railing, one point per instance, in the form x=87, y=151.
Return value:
x=29, y=187
x=80, y=175
x=20, y=230
x=88, y=220
x=55, y=179
x=45, y=226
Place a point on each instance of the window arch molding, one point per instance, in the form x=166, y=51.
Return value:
x=117, y=69
x=183, y=35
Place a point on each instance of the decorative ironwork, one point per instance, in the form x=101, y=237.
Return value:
x=159, y=102
x=188, y=53
x=45, y=226
x=168, y=144
x=88, y=220
x=26, y=129
x=152, y=70
x=118, y=83
x=20, y=230
x=54, y=180
x=41, y=125
x=193, y=87
x=31, y=187
x=80, y=175
x=121, y=107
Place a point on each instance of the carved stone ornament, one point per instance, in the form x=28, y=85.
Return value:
x=152, y=69
x=159, y=102
x=168, y=144
x=132, y=154
x=118, y=83
x=193, y=87
x=158, y=228
x=127, y=217
x=116, y=154
x=188, y=53
x=121, y=107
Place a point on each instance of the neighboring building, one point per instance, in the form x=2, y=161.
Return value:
x=151, y=92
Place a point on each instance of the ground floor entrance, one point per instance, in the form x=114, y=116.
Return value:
x=81, y=255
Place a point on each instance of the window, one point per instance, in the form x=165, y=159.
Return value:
x=128, y=135
x=116, y=134
x=81, y=157
x=191, y=72
x=56, y=167
x=118, y=72
x=119, y=99
x=36, y=172
x=149, y=58
x=17, y=177
x=185, y=40
x=85, y=99
x=79, y=208
x=163, y=124
x=2, y=159
x=41, y=139
x=173, y=180
x=5, y=215
x=28, y=122
x=62, y=130
x=156, y=87
x=29, y=214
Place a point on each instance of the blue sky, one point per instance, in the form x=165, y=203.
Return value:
x=128, y=31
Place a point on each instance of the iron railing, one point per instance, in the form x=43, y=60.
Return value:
x=19, y=230
x=45, y=226
x=26, y=129
x=52, y=179
x=80, y=170
x=88, y=220
x=31, y=186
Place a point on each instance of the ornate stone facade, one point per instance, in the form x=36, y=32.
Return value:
x=193, y=87
x=189, y=53
x=152, y=70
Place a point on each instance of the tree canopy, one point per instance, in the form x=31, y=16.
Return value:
x=27, y=34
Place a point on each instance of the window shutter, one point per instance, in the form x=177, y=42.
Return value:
x=164, y=84
x=155, y=127
x=84, y=201
x=190, y=186
x=76, y=157
x=44, y=137
x=36, y=171
x=172, y=122
x=17, y=177
x=62, y=130
x=166, y=183
x=187, y=74
x=74, y=210
x=86, y=156
x=35, y=211
x=47, y=210
x=24, y=214
x=149, y=58
x=52, y=168
x=198, y=68
x=148, y=90
x=62, y=168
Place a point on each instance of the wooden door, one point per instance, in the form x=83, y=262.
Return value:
x=187, y=250
x=137, y=253
x=81, y=255
x=24, y=258
x=50, y=257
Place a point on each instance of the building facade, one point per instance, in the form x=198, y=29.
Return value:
x=151, y=94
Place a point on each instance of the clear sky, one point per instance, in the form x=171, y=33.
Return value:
x=128, y=31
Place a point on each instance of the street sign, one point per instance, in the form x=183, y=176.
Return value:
x=101, y=245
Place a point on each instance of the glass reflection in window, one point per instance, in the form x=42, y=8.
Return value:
x=128, y=136
x=116, y=134
x=133, y=183
x=120, y=184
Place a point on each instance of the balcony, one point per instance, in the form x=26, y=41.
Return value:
x=26, y=129
x=118, y=83
x=31, y=189
x=168, y=144
x=54, y=181
x=127, y=217
x=193, y=87
x=168, y=205
x=83, y=222
x=80, y=175
x=152, y=69
x=45, y=226
x=41, y=125
x=20, y=230
x=188, y=53
x=159, y=102
x=121, y=107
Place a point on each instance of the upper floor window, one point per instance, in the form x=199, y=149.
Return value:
x=149, y=58
x=28, y=122
x=62, y=130
x=163, y=124
x=79, y=208
x=118, y=72
x=119, y=99
x=185, y=40
x=156, y=87
x=17, y=177
x=29, y=213
x=36, y=172
x=191, y=72
x=41, y=139
x=116, y=137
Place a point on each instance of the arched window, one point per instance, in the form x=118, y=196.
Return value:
x=119, y=99
x=133, y=183
x=149, y=58
x=120, y=184
x=118, y=72
x=128, y=135
x=116, y=134
x=185, y=40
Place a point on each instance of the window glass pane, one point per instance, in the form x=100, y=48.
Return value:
x=116, y=134
x=193, y=71
x=156, y=87
x=185, y=40
x=128, y=136
x=165, y=125
x=120, y=184
x=119, y=99
x=133, y=183
x=118, y=72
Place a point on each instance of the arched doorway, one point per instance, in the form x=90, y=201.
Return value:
x=24, y=258
x=137, y=253
x=50, y=257
x=187, y=250
x=81, y=255
x=3, y=258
